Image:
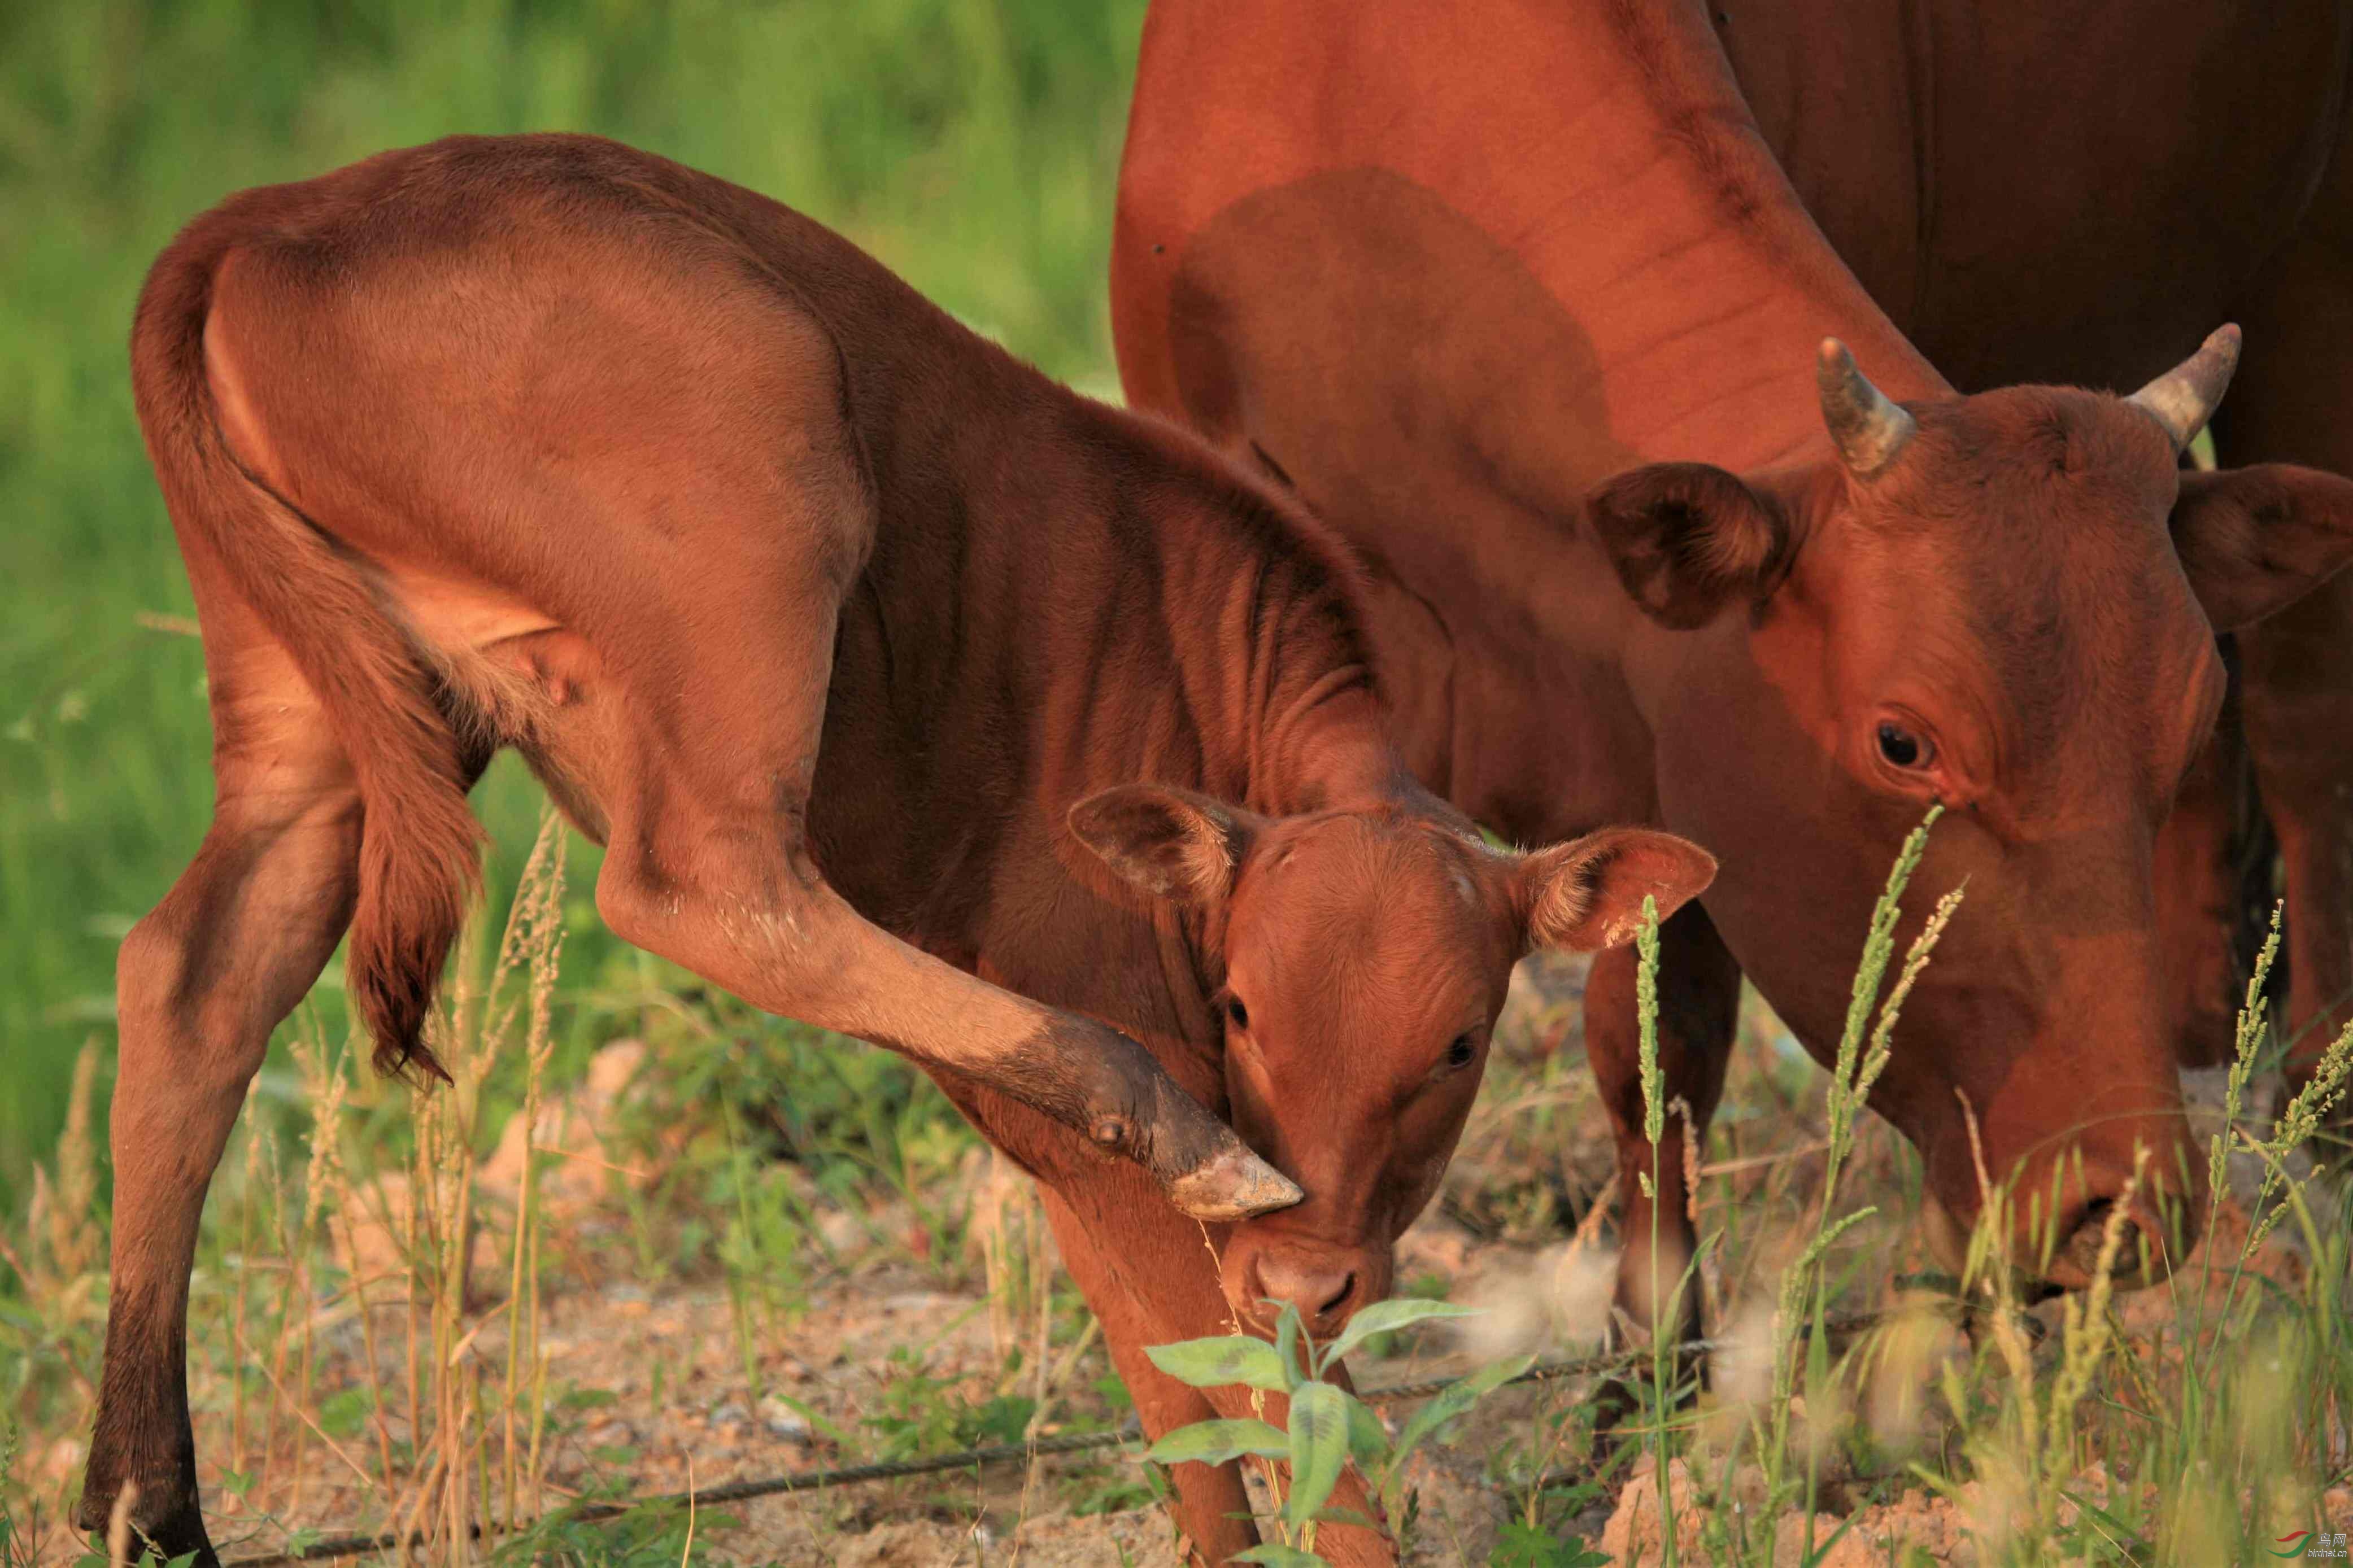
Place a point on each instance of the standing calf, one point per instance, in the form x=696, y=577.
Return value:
x=906, y=688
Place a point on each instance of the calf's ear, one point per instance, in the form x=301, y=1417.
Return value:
x=1169, y=843
x=2258, y=539
x=1586, y=894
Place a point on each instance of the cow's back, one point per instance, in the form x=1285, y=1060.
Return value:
x=1983, y=167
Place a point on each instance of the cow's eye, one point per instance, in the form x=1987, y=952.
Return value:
x=1463, y=1051
x=1901, y=748
x=1236, y=1013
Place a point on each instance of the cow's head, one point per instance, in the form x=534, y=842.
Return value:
x=2005, y=602
x=1361, y=957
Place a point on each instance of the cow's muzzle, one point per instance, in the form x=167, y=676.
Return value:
x=1326, y=1282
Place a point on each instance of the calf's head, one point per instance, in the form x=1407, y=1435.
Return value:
x=2005, y=603
x=1359, y=959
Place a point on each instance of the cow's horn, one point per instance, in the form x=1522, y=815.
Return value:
x=2185, y=398
x=1869, y=429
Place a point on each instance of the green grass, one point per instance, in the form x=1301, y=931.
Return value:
x=971, y=146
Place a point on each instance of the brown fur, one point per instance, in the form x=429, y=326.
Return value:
x=911, y=695
x=419, y=852
x=1960, y=209
x=1521, y=301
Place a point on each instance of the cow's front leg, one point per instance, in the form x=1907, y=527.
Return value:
x=1699, y=1010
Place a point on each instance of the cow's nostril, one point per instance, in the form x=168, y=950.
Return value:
x=1320, y=1290
x=2082, y=1246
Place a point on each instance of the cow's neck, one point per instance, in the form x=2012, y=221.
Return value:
x=1679, y=247
x=1571, y=256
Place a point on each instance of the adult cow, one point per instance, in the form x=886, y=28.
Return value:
x=1946, y=153
x=1481, y=281
x=907, y=691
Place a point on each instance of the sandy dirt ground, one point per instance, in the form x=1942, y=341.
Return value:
x=665, y=1384
x=682, y=1386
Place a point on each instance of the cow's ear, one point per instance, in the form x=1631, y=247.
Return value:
x=1689, y=539
x=1588, y=894
x=2256, y=540
x=1169, y=843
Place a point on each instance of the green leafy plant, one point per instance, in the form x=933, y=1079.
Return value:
x=649, y=1535
x=16, y=1545
x=923, y=1413
x=1520, y=1544
x=1329, y=1428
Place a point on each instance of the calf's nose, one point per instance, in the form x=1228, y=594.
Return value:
x=1324, y=1292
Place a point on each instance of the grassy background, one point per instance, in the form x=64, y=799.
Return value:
x=971, y=145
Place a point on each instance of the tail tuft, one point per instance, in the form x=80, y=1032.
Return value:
x=420, y=847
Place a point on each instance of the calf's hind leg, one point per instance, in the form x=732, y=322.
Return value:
x=201, y=982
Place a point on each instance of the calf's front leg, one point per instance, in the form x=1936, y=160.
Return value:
x=1152, y=1279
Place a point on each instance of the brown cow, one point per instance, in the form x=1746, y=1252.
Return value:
x=1473, y=278
x=1947, y=156
x=852, y=639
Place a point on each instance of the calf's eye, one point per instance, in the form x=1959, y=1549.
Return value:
x=1462, y=1052
x=1236, y=1013
x=1903, y=749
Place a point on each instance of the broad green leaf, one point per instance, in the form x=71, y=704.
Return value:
x=1280, y=1555
x=1455, y=1398
x=1226, y=1358
x=1215, y=1442
x=1368, y=1440
x=1382, y=1317
x=1286, y=1344
x=1523, y=1545
x=1319, y=1446
x=1347, y=1516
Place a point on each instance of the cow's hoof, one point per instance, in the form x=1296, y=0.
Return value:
x=1235, y=1185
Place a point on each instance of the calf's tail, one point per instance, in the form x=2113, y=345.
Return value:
x=390, y=709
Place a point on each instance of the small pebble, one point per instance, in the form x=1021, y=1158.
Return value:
x=785, y=1422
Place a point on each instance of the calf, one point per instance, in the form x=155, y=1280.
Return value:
x=912, y=696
